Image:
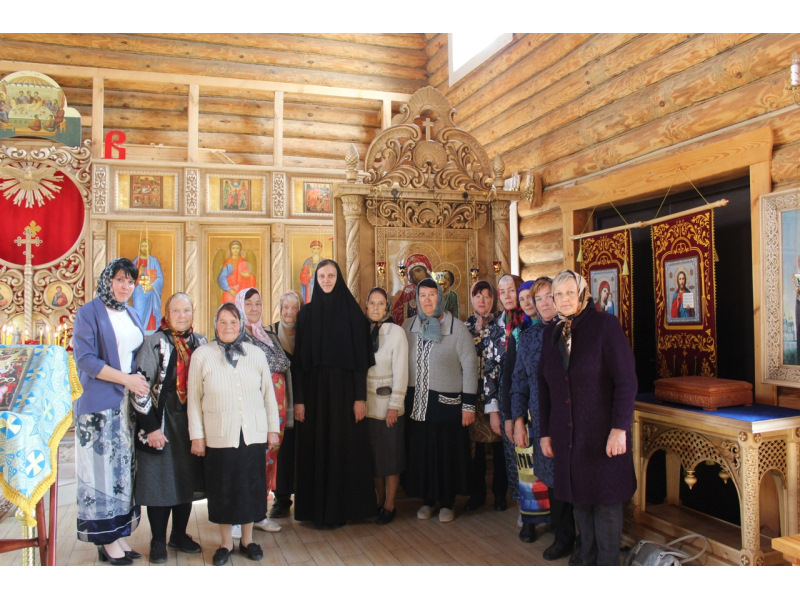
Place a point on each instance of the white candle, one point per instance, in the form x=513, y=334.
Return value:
x=795, y=69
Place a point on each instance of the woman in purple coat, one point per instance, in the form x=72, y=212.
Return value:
x=587, y=388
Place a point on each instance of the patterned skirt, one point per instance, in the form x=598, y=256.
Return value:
x=105, y=465
x=279, y=384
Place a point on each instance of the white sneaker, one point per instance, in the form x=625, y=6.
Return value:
x=519, y=521
x=236, y=531
x=267, y=525
x=446, y=515
x=425, y=512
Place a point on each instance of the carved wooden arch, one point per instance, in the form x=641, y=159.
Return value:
x=429, y=178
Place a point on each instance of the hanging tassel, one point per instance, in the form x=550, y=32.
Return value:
x=625, y=271
x=580, y=254
x=716, y=256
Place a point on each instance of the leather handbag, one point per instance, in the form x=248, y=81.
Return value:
x=652, y=554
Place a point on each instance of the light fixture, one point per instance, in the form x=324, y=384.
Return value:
x=381, y=268
x=794, y=86
x=473, y=274
x=497, y=265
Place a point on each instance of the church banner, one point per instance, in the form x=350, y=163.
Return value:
x=604, y=258
x=685, y=295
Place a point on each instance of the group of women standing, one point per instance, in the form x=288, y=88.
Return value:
x=355, y=403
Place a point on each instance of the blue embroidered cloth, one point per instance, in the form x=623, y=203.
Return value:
x=751, y=414
x=35, y=412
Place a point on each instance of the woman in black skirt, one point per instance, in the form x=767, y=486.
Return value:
x=168, y=476
x=333, y=352
x=233, y=418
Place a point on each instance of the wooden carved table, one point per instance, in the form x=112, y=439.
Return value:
x=748, y=442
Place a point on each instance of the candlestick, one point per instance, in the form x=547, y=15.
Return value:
x=41, y=334
x=25, y=334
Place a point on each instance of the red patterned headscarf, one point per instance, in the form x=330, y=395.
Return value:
x=514, y=317
x=179, y=340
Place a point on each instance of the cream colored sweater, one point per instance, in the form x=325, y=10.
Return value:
x=389, y=372
x=222, y=400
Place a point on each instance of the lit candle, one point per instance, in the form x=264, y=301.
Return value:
x=795, y=69
x=49, y=334
x=3, y=336
x=25, y=334
x=64, y=339
x=41, y=334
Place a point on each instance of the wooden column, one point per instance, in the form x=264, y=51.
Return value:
x=501, y=244
x=277, y=136
x=194, y=123
x=190, y=285
x=352, y=208
x=760, y=183
x=98, y=101
x=386, y=114
x=277, y=269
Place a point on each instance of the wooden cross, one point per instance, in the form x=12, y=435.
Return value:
x=30, y=240
x=427, y=124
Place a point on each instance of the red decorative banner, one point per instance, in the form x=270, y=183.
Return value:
x=685, y=295
x=607, y=268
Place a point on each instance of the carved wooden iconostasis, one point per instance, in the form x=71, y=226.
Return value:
x=428, y=190
x=45, y=199
x=209, y=231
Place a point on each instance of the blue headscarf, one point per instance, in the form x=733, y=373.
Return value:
x=526, y=320
x=431, y=329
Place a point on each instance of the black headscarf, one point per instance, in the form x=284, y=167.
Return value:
x=332, y=330
x=104, y=289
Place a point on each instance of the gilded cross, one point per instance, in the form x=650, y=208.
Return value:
x=427, y=124
x=30, y=232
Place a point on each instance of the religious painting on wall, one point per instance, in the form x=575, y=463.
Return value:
x=312, y=197
x=780, y=331
x=607, y=268
x=229, y=193
x=58, y=294
x=6, y=295
x=685, y=295
x=34, y=105
x=447, y=259
x=681, y=287
x=147, y=190
x=306, y=249
x=154, y=252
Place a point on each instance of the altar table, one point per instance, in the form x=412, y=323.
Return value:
x=746, y=441
x=35, y=411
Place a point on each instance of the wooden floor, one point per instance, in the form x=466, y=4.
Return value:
x=483, y=537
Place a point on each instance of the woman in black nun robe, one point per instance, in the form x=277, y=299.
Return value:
x=332, y=353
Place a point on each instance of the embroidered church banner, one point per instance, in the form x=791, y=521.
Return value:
x=604, y=256
x=685, y=295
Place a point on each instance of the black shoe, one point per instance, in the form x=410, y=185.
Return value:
x=386, y=516
x=557, y=550
x=253, y=551
x=575, y=558
x=527, y=534
x=104, y=556
x=184, y=543
x=279, y=511
x=221, y=556
x=132, y=554
x=474, y=503
x=500, y=504
x=158, y=552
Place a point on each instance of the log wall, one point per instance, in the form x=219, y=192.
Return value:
x=153, y=109
x=578, y=107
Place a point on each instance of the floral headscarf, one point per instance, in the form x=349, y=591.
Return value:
x=184, y=350
x=104, y=290
x=564, y=327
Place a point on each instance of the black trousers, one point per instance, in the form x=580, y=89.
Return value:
x=562, y=520
x=601, y=533
x=499, y=475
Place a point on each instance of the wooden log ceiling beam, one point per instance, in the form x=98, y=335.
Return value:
x=277, y=152
x=200, y=80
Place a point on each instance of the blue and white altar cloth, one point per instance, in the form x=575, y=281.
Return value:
x=35, y=412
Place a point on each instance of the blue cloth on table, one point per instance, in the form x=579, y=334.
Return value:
x=37, y=413
x=751, y=414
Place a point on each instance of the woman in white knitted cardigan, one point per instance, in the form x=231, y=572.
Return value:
x=233, y=417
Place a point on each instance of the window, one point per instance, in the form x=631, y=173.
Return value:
x=468, y=50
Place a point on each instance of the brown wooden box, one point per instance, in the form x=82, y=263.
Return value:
x=706, y=392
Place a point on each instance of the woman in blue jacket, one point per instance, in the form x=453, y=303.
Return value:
x=107, y=335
